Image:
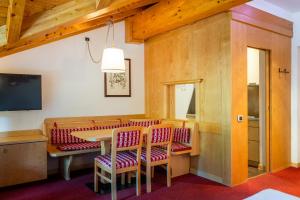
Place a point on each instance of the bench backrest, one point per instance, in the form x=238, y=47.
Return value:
x=59, y=132
x=143, y=122
x=186, y=132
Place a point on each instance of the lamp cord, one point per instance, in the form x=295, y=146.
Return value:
x=109, y=24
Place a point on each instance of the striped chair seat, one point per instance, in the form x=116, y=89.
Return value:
x=124, y=159
x=156, y=155
x=79, y=146
x=177, y=147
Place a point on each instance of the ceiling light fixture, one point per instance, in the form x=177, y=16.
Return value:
x=112, y=58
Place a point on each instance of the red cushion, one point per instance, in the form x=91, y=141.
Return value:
x=156, y=155
x=145, y=123
x=124, y=159
x=79, y=146
x=176, y=147
x=63, y=136
x=182, y=135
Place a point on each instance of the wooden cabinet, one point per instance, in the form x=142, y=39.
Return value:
x=23, y=157
x=253, y=142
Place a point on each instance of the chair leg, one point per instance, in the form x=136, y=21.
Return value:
x=152, y=172
x=123, y=178
x=113, y=186
x=148, y=178
x=129, y=178
x=168, y=175
x=138, y=182
x=96, y=182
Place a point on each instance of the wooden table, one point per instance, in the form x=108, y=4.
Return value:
x=98, y=135
x=102, y=136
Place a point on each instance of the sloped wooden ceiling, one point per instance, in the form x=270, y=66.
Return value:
x=25, y=24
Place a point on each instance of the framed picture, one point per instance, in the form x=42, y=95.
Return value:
x=118, y=84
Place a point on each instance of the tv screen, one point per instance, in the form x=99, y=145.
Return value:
x=20, y=92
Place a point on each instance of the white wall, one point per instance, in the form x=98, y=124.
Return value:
x=72, y=85
x=253, y=65
x=295, y=123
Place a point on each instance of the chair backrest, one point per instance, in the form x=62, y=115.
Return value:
x=126, y=138
x=159, y=135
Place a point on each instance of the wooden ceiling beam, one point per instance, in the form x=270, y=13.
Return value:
x=100, y=4
x=62, y=32
x=14, y=20
x=60, y=15
x=171, y=14
x=57, y=23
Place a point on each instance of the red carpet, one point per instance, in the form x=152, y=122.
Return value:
x=185, y=187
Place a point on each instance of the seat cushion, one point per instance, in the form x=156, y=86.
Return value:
x=156, y=155
x=124, y=159
x=79, y=146
x=177, y=147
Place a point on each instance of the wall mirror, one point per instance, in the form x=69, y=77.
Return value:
x=182, y=99
x=185, y=106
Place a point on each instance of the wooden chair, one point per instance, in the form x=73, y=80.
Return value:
x=121, y=160
x=153, y=155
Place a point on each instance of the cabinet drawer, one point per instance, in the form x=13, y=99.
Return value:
x=253, y=134
x=253, y=151
x=253, y=123
x=22, y=163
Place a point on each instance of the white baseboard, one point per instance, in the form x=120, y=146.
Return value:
x=207, y=175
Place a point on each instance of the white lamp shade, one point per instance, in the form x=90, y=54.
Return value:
x=113, y=60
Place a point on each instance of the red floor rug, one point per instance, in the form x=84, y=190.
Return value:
x=184, y=187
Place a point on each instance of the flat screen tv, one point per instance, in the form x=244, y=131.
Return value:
x=20, y=92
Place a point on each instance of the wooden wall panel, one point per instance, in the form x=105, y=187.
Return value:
x=194, y=52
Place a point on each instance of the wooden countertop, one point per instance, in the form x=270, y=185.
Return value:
x=24, y=136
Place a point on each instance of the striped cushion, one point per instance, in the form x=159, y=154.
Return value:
x=182, y=135
x=128, y=138
x=145, y=123
x=161, y=135
x=177, y=147
x=124, y=159
x=112, y=126
x=63, y=136
x=79, y=146
x=156, y=155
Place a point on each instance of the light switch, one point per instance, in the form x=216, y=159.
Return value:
x=240, y=118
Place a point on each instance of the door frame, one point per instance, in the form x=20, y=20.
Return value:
x=267, y=108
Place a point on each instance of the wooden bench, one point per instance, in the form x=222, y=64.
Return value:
x=186, y=140
x=65, y=150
